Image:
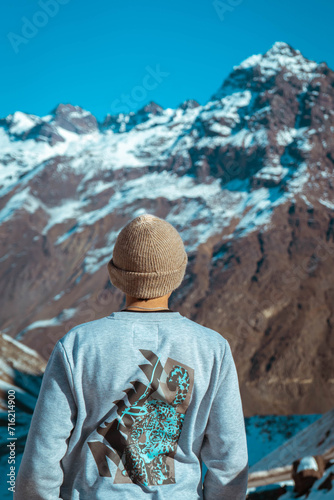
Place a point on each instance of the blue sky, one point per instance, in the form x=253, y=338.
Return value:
x=109, y=56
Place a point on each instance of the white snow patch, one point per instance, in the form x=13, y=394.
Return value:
x=21, y=122
x=299, y=179
x=285, y=136
x=281, y=56
x=21, y=346
x=43, y=323
x=251, y=61
x=6, y=368
x=71, y=209
x=275, y=172
x=307, y=463
x=327, y=204
x=98, y=257
x=58, y=296
x=21, y=199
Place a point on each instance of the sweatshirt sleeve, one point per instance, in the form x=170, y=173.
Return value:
x=224, y=450
x=40, y=473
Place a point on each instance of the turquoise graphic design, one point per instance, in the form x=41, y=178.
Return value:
x=145, y=433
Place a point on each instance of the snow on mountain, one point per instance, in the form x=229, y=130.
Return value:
x=124, y=122
x=263, y=68
x=164, y=134
x=19, y=123
x=281, y=55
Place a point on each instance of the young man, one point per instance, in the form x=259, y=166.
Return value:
x=132, y=403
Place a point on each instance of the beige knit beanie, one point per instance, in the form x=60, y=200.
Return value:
x=149, y=259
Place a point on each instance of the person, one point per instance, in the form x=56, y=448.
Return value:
x=132, y=404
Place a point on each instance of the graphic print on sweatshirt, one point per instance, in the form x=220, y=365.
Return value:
x=145, y=433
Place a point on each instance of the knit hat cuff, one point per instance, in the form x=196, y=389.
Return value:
x=146, y=285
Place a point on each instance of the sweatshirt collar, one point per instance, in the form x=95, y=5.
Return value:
x=145, y=316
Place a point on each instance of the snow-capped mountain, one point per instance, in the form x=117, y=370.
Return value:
x=247, y=179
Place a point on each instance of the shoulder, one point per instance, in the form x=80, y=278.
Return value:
x=212, y=338
x=84, y=331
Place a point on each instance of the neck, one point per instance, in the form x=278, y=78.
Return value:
x=140, y=304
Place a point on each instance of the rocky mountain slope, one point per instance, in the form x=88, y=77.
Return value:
x=246, y=178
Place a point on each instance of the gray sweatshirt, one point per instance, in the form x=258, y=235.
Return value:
x=129, y=407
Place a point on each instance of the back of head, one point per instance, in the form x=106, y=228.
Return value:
x=149, y=259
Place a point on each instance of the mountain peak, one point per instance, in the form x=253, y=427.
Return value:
x=66, y=109
x=19, y=122
x=189, y=104
x=151, y=107
x=74, y=119
x=257, y=71
x=281, y=48
x=281, y=54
